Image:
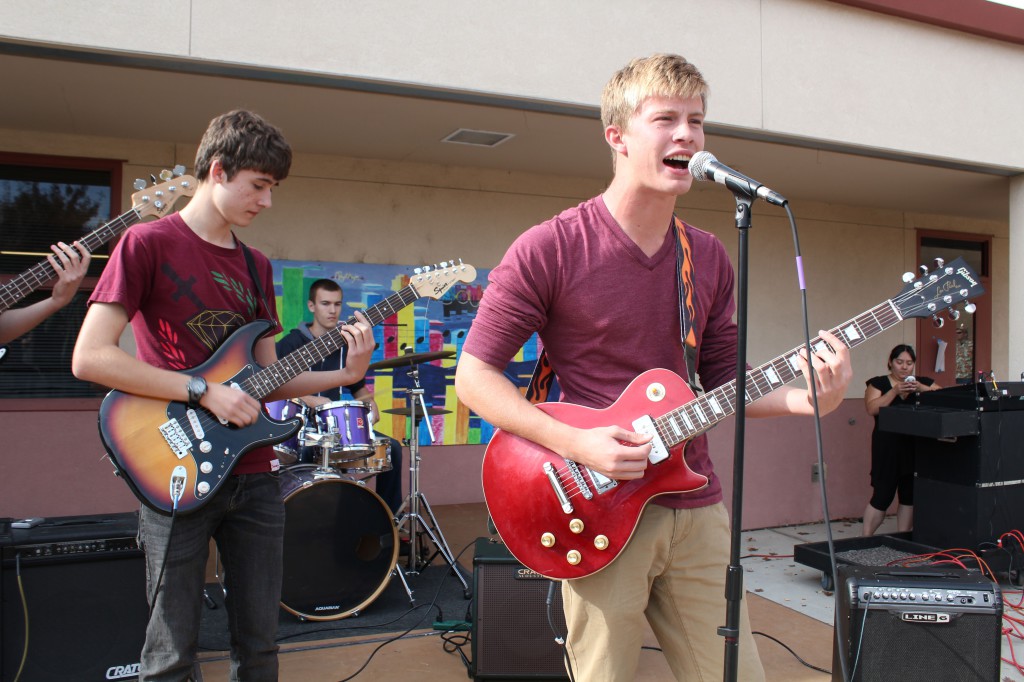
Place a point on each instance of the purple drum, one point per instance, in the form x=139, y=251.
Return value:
x=348, y=423
x=288, y=451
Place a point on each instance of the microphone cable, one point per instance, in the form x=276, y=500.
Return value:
x=812, y=382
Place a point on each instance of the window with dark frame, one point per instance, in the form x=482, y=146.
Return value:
x=43, y=201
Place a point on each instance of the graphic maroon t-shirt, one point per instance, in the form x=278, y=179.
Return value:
x=184, y=297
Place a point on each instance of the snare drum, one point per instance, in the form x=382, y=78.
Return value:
x=377, y=463
x=288, y=450
x=349, y=420
x=340, y=545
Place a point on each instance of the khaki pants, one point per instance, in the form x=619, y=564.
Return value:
x=672, y=574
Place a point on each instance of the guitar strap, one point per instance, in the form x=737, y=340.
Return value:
x=251, y=262
x=544, y=379
x=685, y=287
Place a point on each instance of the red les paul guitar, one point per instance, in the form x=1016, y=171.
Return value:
x=167, y=451
x=565, y=521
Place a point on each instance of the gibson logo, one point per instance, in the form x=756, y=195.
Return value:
x=967, y=275
x=913, y=617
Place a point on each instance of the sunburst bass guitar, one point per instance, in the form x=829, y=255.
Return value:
x=566, y=521
x=174, y=458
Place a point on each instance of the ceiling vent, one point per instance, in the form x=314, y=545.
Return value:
x=478, y=138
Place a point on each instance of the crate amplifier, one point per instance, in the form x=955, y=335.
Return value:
x=80, y=582
x=924, y=624
x=512, y=638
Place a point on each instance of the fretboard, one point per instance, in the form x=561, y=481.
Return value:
x=41, y=273
x=272, y=377
x=705, y=411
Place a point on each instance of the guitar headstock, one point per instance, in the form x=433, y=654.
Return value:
x=159, y=199
x=432, y=281
x=935, y=291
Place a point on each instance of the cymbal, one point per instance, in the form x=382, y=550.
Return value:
x=411, y=359
x=406, y=412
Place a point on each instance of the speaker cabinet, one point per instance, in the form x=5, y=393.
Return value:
x=919, y=624
x=512, y=638
x=81, y=581
x=950, y=515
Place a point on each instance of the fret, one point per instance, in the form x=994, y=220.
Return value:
x=686, y=419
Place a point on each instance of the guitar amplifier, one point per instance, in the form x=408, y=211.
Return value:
x=917, y=624
x=512, y=635
x=81, y=583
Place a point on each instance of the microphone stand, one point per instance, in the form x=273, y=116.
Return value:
x=734, y=573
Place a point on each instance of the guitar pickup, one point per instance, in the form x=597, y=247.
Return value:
x=176, y=438
x=193, y=420
x=645, y=425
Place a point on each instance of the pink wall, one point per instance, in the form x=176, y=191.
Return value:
x=54, y=466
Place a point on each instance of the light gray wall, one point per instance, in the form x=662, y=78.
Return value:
x=808, y=68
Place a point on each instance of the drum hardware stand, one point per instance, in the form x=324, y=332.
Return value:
x=410, y=509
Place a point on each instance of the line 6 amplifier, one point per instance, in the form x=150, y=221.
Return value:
x=909, y=624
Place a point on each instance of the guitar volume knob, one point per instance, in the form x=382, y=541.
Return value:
x=203, y=487
x=573, y=557
x=548, y=540
x=601, y=542
x=576, y=526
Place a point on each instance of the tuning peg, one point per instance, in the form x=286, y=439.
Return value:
x=923, y=269
x=166, y=175
x=178, y=170
x=938, y=321
x=970, y=308
x=139, y=183
x=908, y=277
x=954, y=314
x=939, y=262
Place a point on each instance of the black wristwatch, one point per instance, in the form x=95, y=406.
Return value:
x=196, y=390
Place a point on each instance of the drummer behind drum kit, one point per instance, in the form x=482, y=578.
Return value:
x=341, y=541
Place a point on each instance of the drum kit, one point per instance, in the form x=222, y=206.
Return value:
x=341, y=541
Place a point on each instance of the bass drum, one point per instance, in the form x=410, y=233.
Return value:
x=340, y=545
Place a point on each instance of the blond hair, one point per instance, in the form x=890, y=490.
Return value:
x=660, y=75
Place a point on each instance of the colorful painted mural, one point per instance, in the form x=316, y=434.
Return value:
x=425, y=326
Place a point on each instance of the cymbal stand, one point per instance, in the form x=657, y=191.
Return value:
x=410, y=509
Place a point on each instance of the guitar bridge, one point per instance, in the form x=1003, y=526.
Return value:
x=556, y=485
x=176, y=438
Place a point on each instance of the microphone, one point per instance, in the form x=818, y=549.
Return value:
x=704, y=166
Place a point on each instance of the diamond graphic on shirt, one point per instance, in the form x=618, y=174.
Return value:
x=213, y=326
